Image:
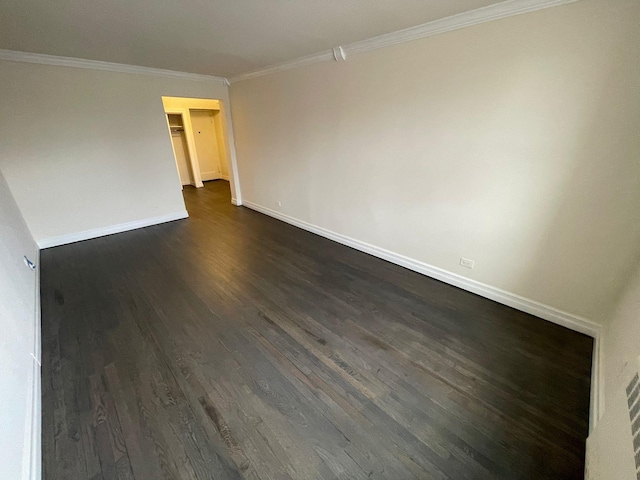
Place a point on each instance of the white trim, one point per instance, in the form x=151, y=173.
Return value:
x=489, y=13
x=33, y=457
x=31, y=460
x=235, y=202
x=568, y=320
x=230, y=147
x=36, y=348
x=101, y=232
x=597, y=382
x=326, y=56
x=26, y=57
x=455, y=22
x=338, y=54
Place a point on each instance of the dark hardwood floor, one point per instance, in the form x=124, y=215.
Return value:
x=231, y=345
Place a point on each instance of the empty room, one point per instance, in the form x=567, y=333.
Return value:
x=386, y=239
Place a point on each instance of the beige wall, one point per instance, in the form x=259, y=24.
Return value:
x=84, y=150
x=513, y=143
x=19, y=371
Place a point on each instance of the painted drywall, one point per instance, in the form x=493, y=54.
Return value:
x=19, y=371
x=512, y=143
x=84, y=150
x=610, y=446
x=186, y=103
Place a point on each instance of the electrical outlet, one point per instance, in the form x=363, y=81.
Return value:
x=465, y=262
x=278, y=203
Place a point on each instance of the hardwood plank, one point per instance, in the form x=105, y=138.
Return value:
x=231, y=345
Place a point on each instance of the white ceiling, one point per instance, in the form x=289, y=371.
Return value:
x=216, y=37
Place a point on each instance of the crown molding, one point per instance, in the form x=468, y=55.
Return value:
x=489, y=13
x=42, y=59
x=325, y=56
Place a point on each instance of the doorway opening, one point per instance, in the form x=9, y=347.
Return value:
x=180, y=150
x=199, y=138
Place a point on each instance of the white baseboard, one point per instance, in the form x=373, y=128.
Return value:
x=565, y=319
x=235, y=202
x=101, y=232
x=546, y=312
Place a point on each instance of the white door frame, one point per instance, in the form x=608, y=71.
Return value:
x=182, y=106
x=191, y=143
x=230, y=148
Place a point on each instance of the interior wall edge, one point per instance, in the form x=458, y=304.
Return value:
x=546, y=312
x=35, y=466
x=32, y=459
x=110, y=230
